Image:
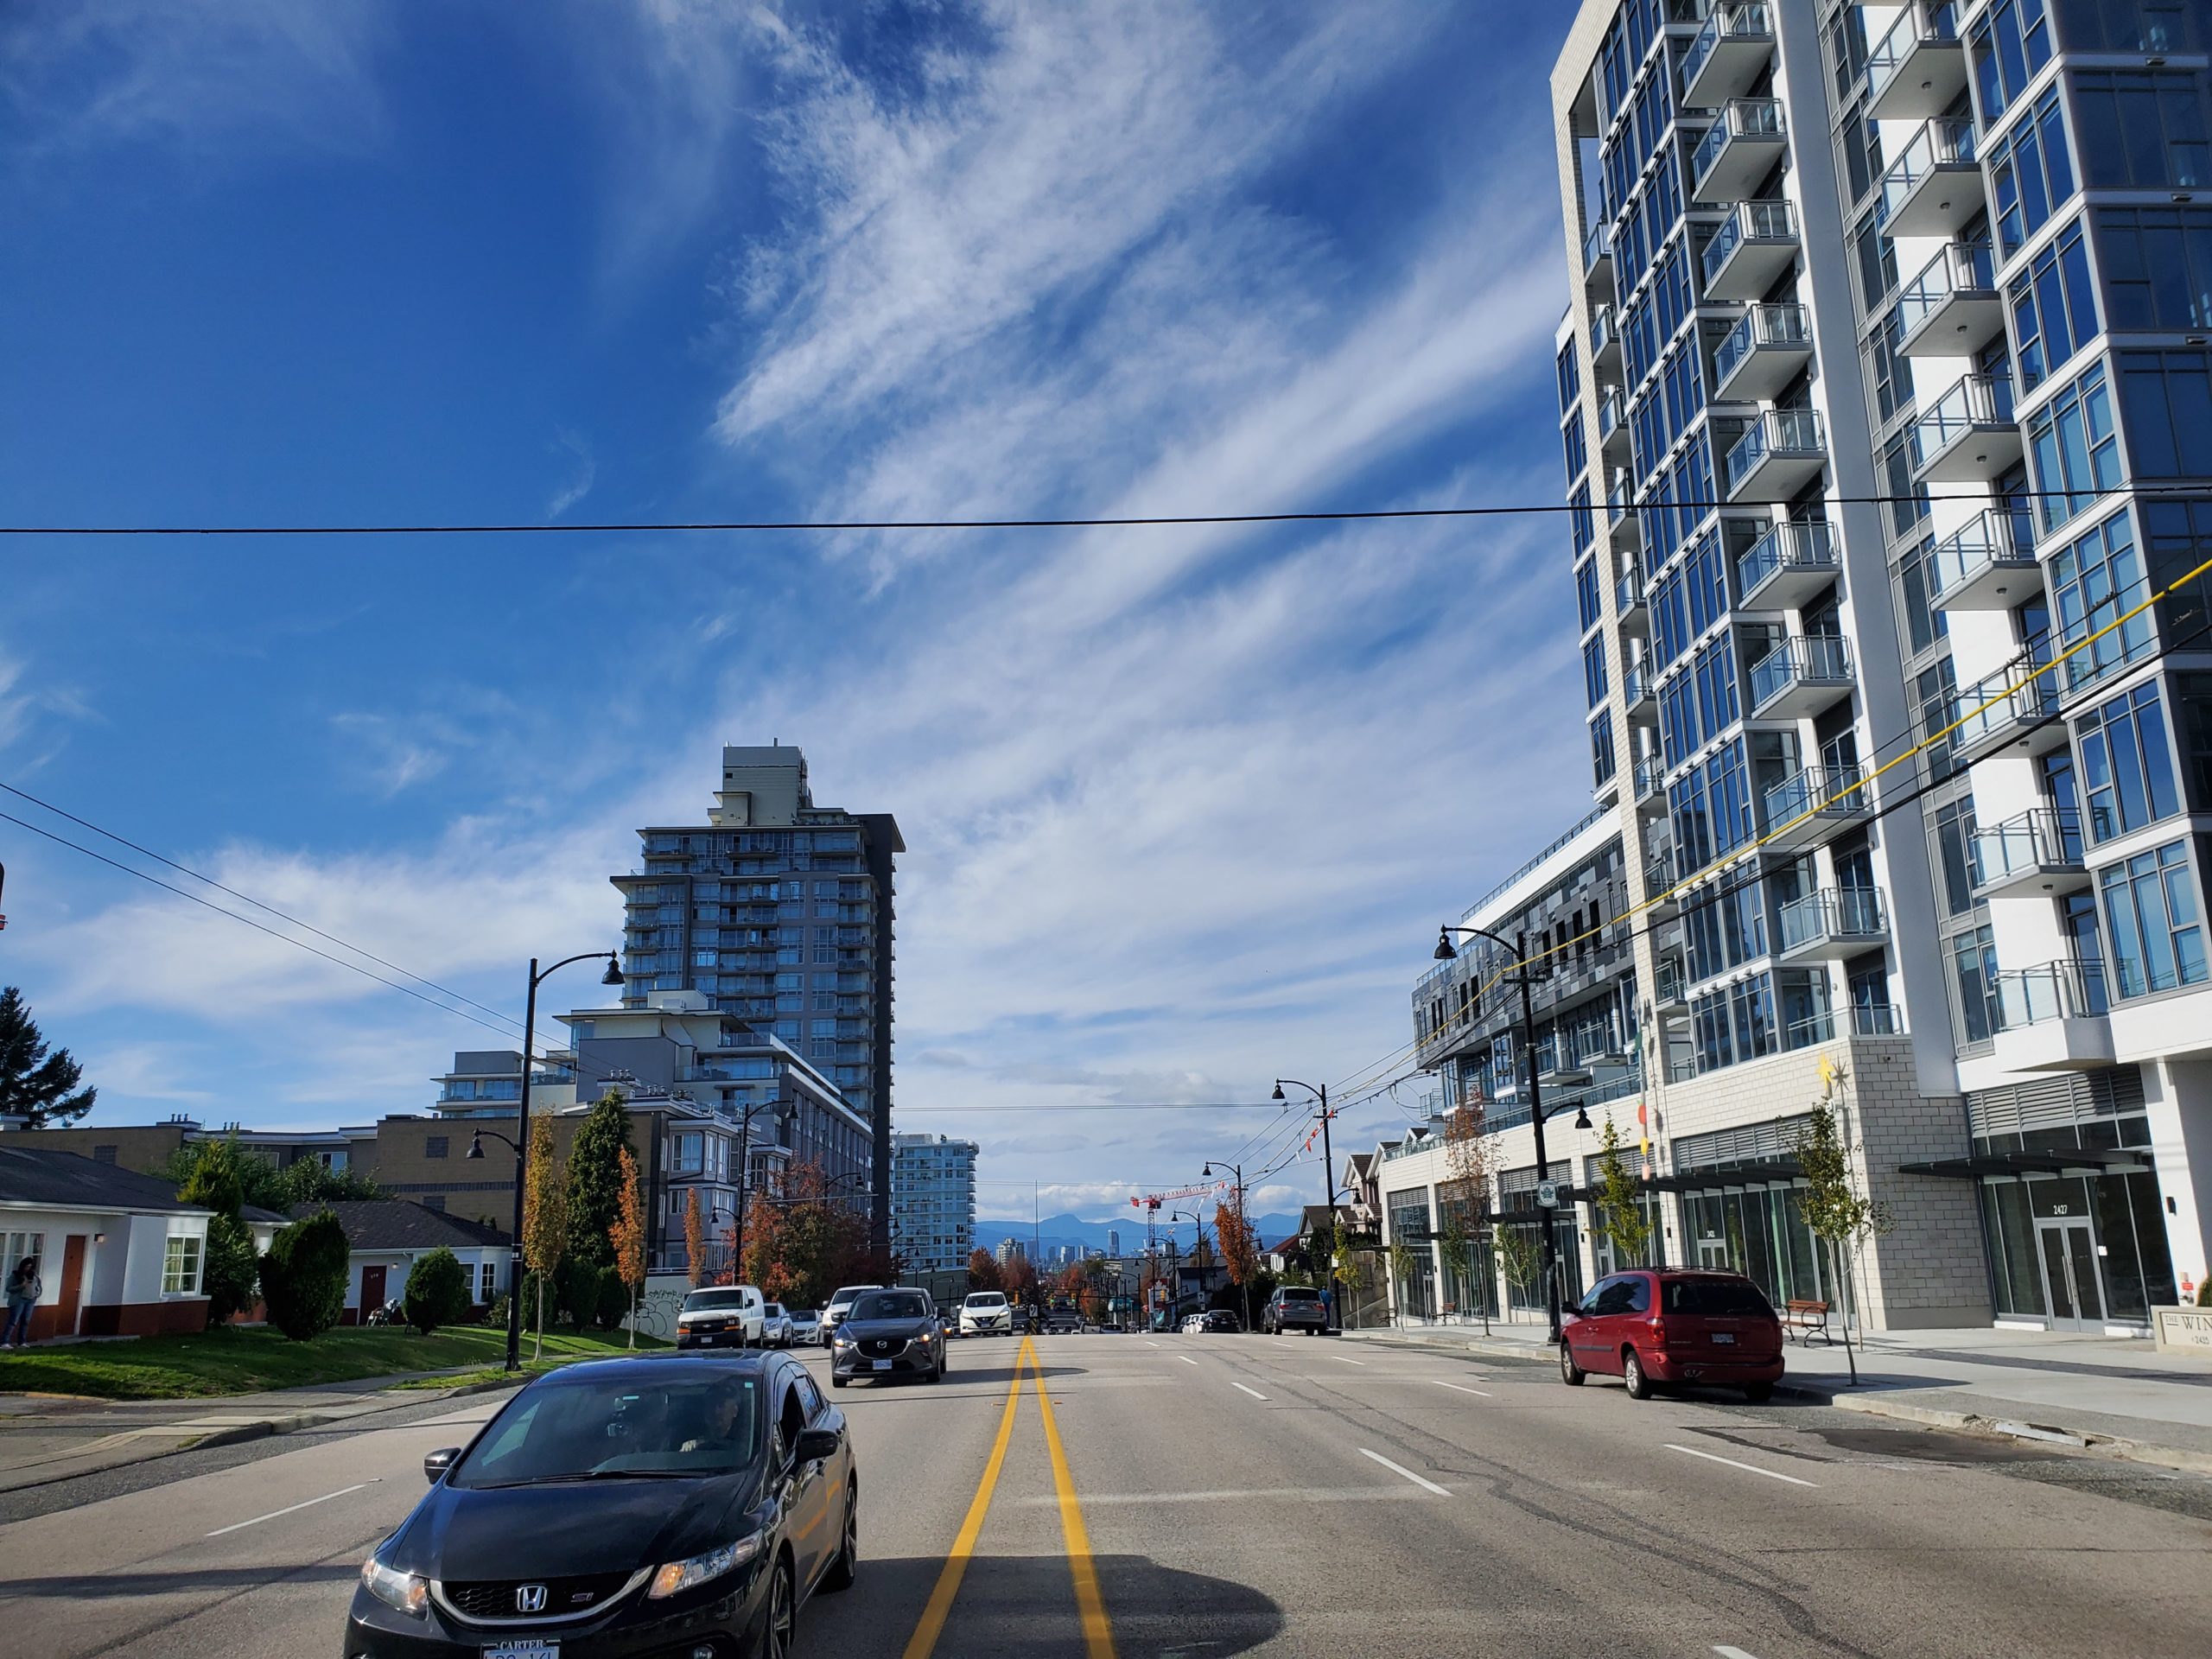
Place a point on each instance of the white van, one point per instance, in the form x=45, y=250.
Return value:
x=722, y=1316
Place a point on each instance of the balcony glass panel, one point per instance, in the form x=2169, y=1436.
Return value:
x=1751, y=221
x=1833, y=913
x=1742, y=117
x=1961, y=267
x=1809, y=548
x=1813, y=657
x=2057, y=990
x=1778, y=431
x=1787, y=326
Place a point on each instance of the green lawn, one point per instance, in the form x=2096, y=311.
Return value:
x=243, y=1360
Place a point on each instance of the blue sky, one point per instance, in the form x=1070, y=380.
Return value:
x=1183, y=807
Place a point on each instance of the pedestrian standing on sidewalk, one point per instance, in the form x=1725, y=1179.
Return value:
x=24, y=1288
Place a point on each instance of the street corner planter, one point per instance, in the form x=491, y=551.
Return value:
x=2182, y=1331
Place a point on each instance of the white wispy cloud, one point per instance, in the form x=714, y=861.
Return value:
x=583, y=470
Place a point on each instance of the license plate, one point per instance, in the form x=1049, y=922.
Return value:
x=882, y=1364
x=527, y=1647
x=1726, y=1338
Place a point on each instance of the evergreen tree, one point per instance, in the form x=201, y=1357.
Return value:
x=217, y=1178
x=34, y=1083
x=304, y=1276
x=595, y=1181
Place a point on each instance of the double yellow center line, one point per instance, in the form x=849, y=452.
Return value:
x=1097, y=1630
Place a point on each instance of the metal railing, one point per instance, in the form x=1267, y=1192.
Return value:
x=1996, y=535
x=1961, y=267
x=1635, y=685
x=1842, y=914
x=1748, y=21
x=1650, y=773
x=1612, y=414
x=1740, y=117
x=2046, y=838
x=1601, y=331
x=1876, y=1019
x=1777, y=432
x=1582, y=823
x=1597, y=246
x=1840, y=790
x=1917, y=25
x=1628, y=591
x=1762, y=325
x=1802, y=656
x=2057, y=990
x=1751, y=221
x=1786, y=547
x=1976, y=400
x=1938, y=144
x=2030, y=701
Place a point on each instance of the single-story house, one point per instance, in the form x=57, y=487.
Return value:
x=118, y=1255
x=387, y=1234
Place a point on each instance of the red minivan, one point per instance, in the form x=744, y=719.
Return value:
x=1663, y=1326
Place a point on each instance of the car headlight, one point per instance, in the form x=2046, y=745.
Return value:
x=409, y=1591
x=672, y=1577
x=842, y=1340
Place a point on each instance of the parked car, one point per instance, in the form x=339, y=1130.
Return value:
x=721, y=1316
x=806, y=1325
x=840, y=1301
x=1192, y=1324
x=985, y=1313
x=1659, y=1327
x=622, y=1505
x=1063, y=1319
x=1296, y=1307
x=887, y=1334
x=1218, y=1318
x=775, y=1326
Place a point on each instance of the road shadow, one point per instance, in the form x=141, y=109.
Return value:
x=1024, y=1605
x=176, y=1581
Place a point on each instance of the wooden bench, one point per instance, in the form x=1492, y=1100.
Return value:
x=1808, y=1319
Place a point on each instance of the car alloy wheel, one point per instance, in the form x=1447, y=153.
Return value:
x=845, y=1567
x=1639, y=1386
x=1569, y=1372
x=781, y=1616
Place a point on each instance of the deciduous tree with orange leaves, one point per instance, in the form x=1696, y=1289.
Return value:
x=695, y=1239
x=628, y=1234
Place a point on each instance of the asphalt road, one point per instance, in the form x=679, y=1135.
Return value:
x=1230, y=1495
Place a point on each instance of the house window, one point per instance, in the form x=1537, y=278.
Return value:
x=181, y=1265
x=434, y=1145
x=690, y=1153
x=2075, y=453
x=487, y=1281
x=20, y=1245
x=103, y=1154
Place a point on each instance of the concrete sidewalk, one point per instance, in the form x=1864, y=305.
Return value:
x=46, y=1439
x=2122, y=1395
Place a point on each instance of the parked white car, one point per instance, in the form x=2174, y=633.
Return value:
x=775, y=1326
x=985, y=1313
x=722, y=1316
x=806, y=1324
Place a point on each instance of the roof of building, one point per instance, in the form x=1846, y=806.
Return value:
x=36, y=1175
x=399, y=1224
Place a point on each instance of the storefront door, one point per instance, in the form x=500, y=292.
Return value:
x=2072, y=1288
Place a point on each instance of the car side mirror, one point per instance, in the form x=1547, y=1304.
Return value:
x=435, y=1465
x=816, y=1445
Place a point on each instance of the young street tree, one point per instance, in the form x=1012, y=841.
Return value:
x=1240, y=1252
x=629, y=1237
x=1465, y=1201
x=1617, y=1210
x=37, y=1083
x=544, y=1218
x=1834, y=1212
x=695, y=1239
x=595, y=1180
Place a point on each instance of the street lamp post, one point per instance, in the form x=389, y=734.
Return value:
x=521, y=1142
x=1446, y=952
x=1320, y=1093
x=783, y=1114
x=1237, y=1170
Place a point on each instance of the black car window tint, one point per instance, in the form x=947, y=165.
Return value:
x=506, y=1437
x=892, y=1304
x=1719, y=1298
x=1617, y=1296
x=809, y=1395
x=1639, y=1295
x=1590, y=1303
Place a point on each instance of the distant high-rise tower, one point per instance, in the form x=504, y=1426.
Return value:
x=933, y=1201
x=780, y=913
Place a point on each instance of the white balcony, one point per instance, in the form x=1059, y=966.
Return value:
x=2053, y=1019
x=1969, y=437
x=1727, y=54
x=1650, y=784
x=1801, y=677
x=1598, y=258
x=1789, y=565
x=1777, y=455
x=2037, y=852
x=1951, y=308
x=1830, y=924
x=1988, y=566
x=1612, y=426
x=1767, y=349
x=1605, y=340
x=1753, y=246
x=1631, y=609
x=1935, y=186
x=1740, y=150
x=1919, y=68
x=1637, y=696
x=1807, y=807
x=2009, y=711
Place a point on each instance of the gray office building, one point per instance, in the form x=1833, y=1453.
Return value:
x=933, y=1202
x=779, y=913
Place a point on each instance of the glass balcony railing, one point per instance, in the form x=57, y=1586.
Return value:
x=1603, y=339
x=1769, y=222
x=1612, y=416
x=1628, y=593
x=2057, y=990
x=1792, y=549
x=1998, y=537
x=1924, y=28
x=1805, y=658
x=2024, y=848
x=1742, y=118
x=1650, y=773
x=1789, y=327
x=1938, y=145
x=1815, y=792
x=2005, y=706
x=1860, y=1019
x=1777, y=433
x=1598, y=250
x=1961, y=268
x=1842, y=916
x=1975, y=401
x=1636, y=685
x=1745, y=21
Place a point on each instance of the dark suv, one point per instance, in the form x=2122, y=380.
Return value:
x=1664, y=1326
x=1296, y=1307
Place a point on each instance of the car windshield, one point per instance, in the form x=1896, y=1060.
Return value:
x=582, y=1427
x=986, y=1299
x=801, y=1314
x=892, y=1304
x=1716, y=1298
x=698, y=1300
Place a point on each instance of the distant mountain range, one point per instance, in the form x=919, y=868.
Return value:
x=1054, y=1230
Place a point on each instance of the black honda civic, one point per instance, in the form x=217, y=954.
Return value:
x=623, y=1509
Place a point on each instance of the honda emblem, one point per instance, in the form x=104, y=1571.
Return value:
x=530, y=1598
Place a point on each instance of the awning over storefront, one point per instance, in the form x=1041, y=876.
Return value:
x=1740, y=1173
x=2078, y=1160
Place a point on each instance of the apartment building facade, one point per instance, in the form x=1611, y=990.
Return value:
x=933, y=1202
x=1884, y=385
x=779, y=913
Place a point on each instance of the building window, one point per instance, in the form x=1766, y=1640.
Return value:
x=2053, y=307
x=2157, y=266
x=19, y=1245
x=487, y=1281
x=2010, y=42
x=181, y=1265
x=2153, y=921
x=435, y=1201
x=105, y=1154
x=1973, y=971
x=2127, y=770
x=2144, y=130
x=434, y=1145
x=2071, y=442
x=2166, y=402
x=2032, y=171
x=2093, y=584
x=691, y=1154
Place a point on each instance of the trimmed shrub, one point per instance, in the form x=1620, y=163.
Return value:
x=614, y=1302
x=438, y=1292
x=230, y=1271
x=303, y=1276
x=576, y=1292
